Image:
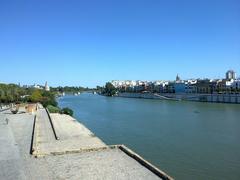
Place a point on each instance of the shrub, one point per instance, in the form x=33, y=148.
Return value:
x=67, y=111
x=48, y=101
x=53, y=109
x=36, y=96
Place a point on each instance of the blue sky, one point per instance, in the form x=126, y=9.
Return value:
x=76, y=42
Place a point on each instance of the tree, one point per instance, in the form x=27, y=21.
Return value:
x=48, y=99
x=110, y=90
x=36, y=96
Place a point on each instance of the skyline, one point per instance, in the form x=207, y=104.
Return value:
x=172, y=80
x=89, y=43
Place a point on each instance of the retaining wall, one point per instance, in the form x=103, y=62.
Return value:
x=218, y=98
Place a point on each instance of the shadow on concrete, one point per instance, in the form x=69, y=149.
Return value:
x=21, y=112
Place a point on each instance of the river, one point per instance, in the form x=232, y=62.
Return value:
x=188, y=140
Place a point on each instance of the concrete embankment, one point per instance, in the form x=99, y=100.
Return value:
x=72, y=135
x=216, y=98
x=76, y=153
x=148, y=96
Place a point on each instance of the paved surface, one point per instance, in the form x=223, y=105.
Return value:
x=67, y=127
x=45, y=132
x=15, y=159
x=109, y=164
x=10, y=160
x=16, y=163
x=72, y=135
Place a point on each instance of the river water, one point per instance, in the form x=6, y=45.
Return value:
x=188, y=140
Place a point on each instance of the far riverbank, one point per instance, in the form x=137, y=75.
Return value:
x=215, y=98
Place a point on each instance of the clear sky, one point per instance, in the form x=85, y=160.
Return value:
x=89, y=42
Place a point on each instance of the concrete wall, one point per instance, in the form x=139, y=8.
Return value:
x=219, y=98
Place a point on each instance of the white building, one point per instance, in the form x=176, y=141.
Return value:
x=36, y=86
x=229, y=83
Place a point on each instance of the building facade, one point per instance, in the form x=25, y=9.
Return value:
x=230, y=74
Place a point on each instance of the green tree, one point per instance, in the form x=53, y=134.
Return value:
x=48, y=99
x=36, y=96
x=109, y=90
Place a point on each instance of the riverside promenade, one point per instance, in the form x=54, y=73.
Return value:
x=53, y=146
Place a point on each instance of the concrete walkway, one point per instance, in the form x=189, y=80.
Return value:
x=72, y=135
x=67, y=127
x=15, y=142
x=108, y=164
x=10, y=160
x=45, y=132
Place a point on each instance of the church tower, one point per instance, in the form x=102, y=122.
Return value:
x=47, y=88
x=178, y=78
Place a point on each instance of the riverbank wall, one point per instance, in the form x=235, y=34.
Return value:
x=215, y=98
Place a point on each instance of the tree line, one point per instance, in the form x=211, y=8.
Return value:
x=70, y=89
x=12, y=93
